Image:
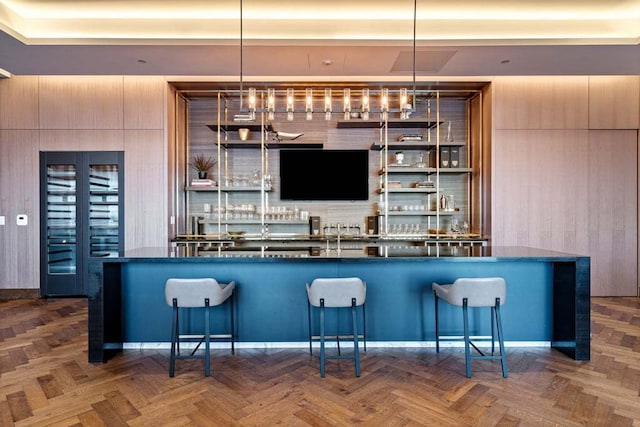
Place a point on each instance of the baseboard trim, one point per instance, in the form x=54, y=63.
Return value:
x=305, y=344
x=9, y=294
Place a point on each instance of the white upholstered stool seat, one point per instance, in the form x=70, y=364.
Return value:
x=197, y=293
x=475, y=292
x=337, y=293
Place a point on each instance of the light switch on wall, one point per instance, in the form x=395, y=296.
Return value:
x=1, y=219
x=22, y=219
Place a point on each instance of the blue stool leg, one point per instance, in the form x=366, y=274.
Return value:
x=503, y=355
x=467, y=351
x=233, y=327
x=207, y=339
x=174, y=338
x=322, y=354
x=364, y=327
x=493, y=340
x=435, y=302
x=309, y=320
x=356, y=351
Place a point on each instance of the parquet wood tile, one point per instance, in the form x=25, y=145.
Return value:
x=45, y=380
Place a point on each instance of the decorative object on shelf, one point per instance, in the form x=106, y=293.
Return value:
x=399, y=158
x=449, y=133
x=285, y=136
x=444, y=157
x=243, y=134
x=410, y=137
x=202, y=164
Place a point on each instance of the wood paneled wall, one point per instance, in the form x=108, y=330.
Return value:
x=79, y=113
x=614, y=102
x=560, y=184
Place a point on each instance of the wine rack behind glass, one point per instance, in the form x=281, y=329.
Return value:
x=61, y=219
x=103, y=210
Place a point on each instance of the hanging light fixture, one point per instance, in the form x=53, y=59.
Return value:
x=290, y=102
x=404, y=105
x=271, y=103
x=251, y=102
x=327, y=104
x=384, y=104
x=365, y=104
x=346, y=103
x=308, y=101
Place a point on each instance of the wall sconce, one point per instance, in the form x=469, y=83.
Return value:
x=384, y=104
x=271, y=103
x=404, y=105
x=327, y=104
x=309, y=103
x=346, y=102
x=290, y=99
x=251, y=102
x=365, y=104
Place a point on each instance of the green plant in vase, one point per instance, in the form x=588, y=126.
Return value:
x=202, y=164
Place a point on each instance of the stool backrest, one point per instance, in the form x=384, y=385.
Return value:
x=480, y=292
x=192, y=292
x=337, y=292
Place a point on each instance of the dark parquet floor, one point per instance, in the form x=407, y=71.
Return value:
x=45, y=379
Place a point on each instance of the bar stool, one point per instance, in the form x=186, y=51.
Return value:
x=475, y=292
x=339, y=293
x=193, y=293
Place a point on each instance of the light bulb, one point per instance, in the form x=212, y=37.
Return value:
x=290, y=99
x=251, y=102
x=327, y=104
x=365, y=104
x=384, y=104
x=346, y=102
x=404, y=105
x=271, y=103
x=309, y=103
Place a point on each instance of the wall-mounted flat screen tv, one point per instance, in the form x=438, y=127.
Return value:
x=314, y=174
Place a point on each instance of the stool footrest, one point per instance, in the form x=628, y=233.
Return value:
x=333, y=337
x=340, y=357
x=201, y=337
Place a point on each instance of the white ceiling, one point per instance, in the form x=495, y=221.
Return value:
x=287, y=38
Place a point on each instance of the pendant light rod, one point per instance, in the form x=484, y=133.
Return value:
x=241, y=43
x=415, y=18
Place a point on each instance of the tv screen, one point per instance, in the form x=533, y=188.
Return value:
x=324, y=174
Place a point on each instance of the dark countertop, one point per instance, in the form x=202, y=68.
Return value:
x=445, y=253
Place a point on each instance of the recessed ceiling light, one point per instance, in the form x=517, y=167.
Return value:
x=505, y=61
x=142, y=61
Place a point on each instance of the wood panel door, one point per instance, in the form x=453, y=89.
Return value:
x=613, y=212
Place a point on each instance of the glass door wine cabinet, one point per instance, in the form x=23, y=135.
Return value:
x=81, y=203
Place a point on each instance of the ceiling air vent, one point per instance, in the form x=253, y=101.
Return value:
x=426, y=61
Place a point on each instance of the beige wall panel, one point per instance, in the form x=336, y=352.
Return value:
x=539, y=189
x=556, y=102
x=613, y=212
x=144, y=102
x=145, y=189
x=81, y=140
x=614, y=102
x=81, y=102
x=19, y=194
x=19, y=103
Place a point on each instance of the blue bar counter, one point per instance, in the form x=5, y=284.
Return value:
x=548, y=294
